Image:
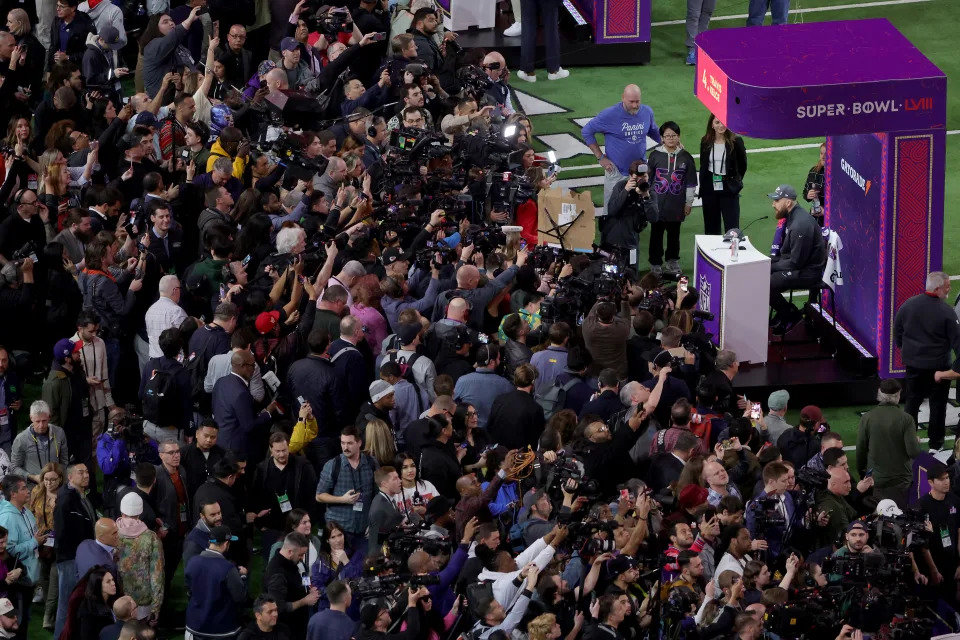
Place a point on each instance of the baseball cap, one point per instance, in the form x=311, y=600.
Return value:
x=937, y=470
x=856, y=524
x=111, y=37
x=811, y=413
x=288, y=44
x=266, y=321
x=131, y=505
x=888, y=507
x=621, y=564
x=147, y=119
x=64, y=348
x=219, y=535
x=390, y=255
x=7, y=609
x=783, y=191
x=380, y=389
x=408, y=332
x=778, y=400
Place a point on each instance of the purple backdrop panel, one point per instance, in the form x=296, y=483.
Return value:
x=617, y=21
x=708, y=279
x=830, y=78
x=854, y=211
x=916, y=200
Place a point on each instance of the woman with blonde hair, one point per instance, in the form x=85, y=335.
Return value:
x=544, y=627
x=43, y=501
x=380, y=442
x=18, y=24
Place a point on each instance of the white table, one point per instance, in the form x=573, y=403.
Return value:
x=737, y=293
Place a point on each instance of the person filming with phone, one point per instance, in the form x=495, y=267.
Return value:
x=630, y=207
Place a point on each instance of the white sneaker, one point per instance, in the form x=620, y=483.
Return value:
x=529, y=77
x=513, y=30
x=560, y=74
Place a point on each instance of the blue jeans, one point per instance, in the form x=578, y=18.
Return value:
x=758, y=8
x=67, y=579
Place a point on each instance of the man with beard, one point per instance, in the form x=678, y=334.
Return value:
x=75, y=235
x=803, y=255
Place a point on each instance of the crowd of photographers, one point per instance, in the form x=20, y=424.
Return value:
x=287, y=316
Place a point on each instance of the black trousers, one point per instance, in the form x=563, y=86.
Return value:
x=919, y=384
x=172, y=554
x=655, y=250
x=717, y=206
x=530, y=12
x=781, y=281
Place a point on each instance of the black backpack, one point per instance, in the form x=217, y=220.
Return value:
x=161, y=399
x=197, y=368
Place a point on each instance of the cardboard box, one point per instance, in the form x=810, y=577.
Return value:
x=569, y=215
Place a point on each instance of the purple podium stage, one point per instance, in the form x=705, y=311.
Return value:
x=881, y=105
x=621, y=27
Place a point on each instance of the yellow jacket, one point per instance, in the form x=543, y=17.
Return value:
x=303, y=433
x=216, y=151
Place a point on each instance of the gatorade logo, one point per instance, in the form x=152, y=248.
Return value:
x=855, y=176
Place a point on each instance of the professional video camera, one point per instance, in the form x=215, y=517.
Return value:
x=288, y=151
x=406, y=540
x=815, y=615
x=570, y=302
x=331, y=24
x=766, y=512
x=435, y=253
x=381, y=586
x=905, y=532
x=486, y=238
x=544, y=255
x=812, y=479
x=582, y=536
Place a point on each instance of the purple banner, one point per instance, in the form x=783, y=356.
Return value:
x=708, y=279
x=833, y=78
x=855, y=213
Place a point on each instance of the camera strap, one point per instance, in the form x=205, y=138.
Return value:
x=661, y=441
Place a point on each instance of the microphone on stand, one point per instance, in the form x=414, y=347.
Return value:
x=738, y=233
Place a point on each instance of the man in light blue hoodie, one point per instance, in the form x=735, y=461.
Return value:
x=23, y=538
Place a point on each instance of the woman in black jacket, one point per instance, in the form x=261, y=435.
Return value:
x=63, y=294
x=723, y=163
x=96, y=610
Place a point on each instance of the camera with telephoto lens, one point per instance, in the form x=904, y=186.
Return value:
x=28, y=250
